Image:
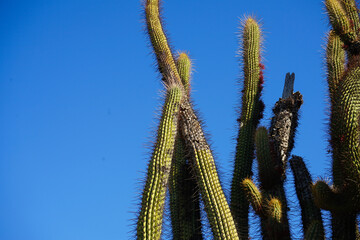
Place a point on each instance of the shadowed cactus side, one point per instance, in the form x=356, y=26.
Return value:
x=183, y=163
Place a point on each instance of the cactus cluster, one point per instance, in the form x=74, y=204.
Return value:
x=182, y=162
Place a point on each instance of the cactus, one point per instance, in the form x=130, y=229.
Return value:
x=183, y=163
x=153, y=200
x=251, y=113
x=343, y=198
x=184, y=197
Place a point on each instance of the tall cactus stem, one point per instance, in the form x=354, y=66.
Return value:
x=310, y=213
x=152, y=207
x=251, y=113
x=315, y=231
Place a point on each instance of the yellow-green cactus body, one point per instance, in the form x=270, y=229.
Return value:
x=340, y=21
x=216, y=206
x=183, y=63
x=352, y=12
x=159, y=41
x=153, y=198
x=184, y=194
x=253, y=195
x=335, y=62
x=251, y=112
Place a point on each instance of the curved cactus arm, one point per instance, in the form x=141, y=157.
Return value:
x=335, y=62
x=216, y=206
x=310, y=213
x=340, y=21
x=184, y=194
x=159, y=41
x=153, y=197
x=251, y=112
x=253, y=195
x=328, y=198
x=352, y=13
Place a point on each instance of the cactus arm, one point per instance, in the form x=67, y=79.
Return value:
x=310, y=213
x=184, y=66
x=271, y=182
x=251, y=113
x=216, y=206
x=159, y=40
x=340, y=21
x=153, y=200
x=268, y=173
x=253, y=195
x=184, y=197
x=352, y=12
x=335, y=62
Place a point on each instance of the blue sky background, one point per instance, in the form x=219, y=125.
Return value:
x=79, y=96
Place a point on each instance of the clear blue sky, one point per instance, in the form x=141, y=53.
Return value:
x=79, y=93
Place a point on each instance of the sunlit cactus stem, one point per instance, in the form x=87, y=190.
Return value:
x=251, y=113
x=153, y=198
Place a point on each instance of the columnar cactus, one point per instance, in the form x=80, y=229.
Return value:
x=343, y=198
x=183, y=163
x=251, y=113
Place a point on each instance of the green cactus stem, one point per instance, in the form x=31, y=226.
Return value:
x=153, y=197
x=184, y=66
x=251, y=113
x=340, y=21
x=184, y=194
x=216, y=206
x=159, y=41
x=345, y=136
x=271, y=183
x=335, y=62
x=352, y=13
x=310, y=213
